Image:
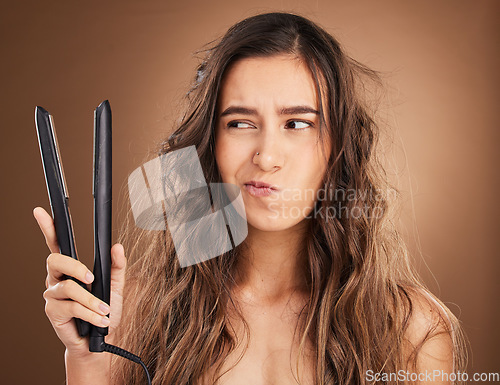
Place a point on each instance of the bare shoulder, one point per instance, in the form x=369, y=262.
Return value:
x=430, y=335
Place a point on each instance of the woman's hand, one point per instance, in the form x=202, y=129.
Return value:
x=65, y=299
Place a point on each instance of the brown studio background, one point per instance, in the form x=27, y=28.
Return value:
x=442, y=61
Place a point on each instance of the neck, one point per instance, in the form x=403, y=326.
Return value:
x=273, y=265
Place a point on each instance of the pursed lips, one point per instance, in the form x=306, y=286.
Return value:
x=259, y=184
x=260, y=189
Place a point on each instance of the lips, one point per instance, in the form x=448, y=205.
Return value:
x=260, y=189
x=259, y=184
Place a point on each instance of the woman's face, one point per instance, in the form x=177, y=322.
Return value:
x=269, y=106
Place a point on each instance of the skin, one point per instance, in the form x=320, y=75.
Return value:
x=82, y=367
x=290, y=157
x=271, y=288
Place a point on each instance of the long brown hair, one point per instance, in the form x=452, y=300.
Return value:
x=362, y=287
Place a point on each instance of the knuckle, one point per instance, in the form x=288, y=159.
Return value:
x=91, y=302
x=51, y=260
x=62, y=286
x=49, y=309
x=67, y=287
x=69, y=284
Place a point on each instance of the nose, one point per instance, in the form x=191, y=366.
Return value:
x=270, y=153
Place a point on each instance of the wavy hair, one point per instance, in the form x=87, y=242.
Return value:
x=362, y=288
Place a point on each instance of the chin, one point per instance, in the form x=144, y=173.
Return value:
x=268, y=223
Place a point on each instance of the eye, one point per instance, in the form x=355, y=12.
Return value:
x=298, y=124
x=238, y=124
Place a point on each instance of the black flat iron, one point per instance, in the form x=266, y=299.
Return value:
x=59, y=203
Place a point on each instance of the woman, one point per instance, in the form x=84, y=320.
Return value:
x=320, y=291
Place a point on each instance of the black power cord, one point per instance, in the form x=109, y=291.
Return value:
x=97, y=344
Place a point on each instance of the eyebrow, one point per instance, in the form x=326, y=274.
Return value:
x=232, y=110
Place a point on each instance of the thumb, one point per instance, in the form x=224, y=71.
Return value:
x=46, y=224
x=118, y=267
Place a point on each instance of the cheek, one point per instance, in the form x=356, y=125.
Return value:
x=225, y=157
x=312, y=165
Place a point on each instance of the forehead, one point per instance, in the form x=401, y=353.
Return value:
x=281, y=80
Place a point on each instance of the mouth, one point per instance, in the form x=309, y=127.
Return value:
x=260, y=189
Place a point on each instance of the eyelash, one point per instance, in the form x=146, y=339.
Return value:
x=229, y=125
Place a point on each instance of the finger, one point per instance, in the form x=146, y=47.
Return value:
x=62, y=312
x=118, y=268
x=46, y=224
x=70, y=290
x=59, y=265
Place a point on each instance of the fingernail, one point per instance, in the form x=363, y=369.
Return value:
x=89, y=277
x=104, y=308
x=105, y=321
